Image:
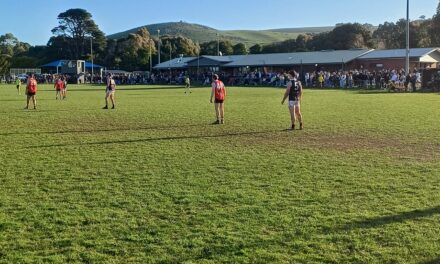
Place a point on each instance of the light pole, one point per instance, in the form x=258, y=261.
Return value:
x=170, y=51
x=170, y=62
x=151, y=65
x=158, y=43
x=198, y=60
x=407, y=39
x=91, y=54
x=218, y=45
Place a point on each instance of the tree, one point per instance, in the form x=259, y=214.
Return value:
x=210, y=48
x=76, y=27
x=350, y=36
x=435, y=28
x=226, y=47
x=419, y=34
x=7, y=44
x=179, y=46
x=5, y=62
x=393, y=35
x=240, y=49
x=288, y=45
x=131, y=53
x=256, y=49
x=387, y=35
x=320, y=41
x=302, y=41
x=60, y=47
x=10, y=46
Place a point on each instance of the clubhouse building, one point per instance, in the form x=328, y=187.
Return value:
x=326, y=60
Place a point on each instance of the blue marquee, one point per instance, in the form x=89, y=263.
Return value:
x=59, y=63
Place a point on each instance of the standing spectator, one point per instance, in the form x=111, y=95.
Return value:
x=321, y=80
x=413, y=81
x=187, y=85
x=18, y=84
x=343, y=80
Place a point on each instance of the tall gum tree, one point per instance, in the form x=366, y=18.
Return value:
x=76, y=27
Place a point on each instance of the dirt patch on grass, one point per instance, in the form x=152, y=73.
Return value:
x=396, y=148
x=392, y=147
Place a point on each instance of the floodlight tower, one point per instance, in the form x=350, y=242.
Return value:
x=91, y=55
x=407, y=39
x=218, y=45
x=158, y=43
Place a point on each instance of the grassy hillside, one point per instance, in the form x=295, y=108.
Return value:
x=302, y=30
x=200, y=33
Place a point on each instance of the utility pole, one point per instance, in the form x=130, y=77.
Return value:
x=158, y=41
x=407, y=39
x=91, y=54
x=170, y=51
x=170, y=62
x=198, y=60
x=151, y=62
x=218, y=45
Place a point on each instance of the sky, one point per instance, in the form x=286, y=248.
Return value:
x=31, y=21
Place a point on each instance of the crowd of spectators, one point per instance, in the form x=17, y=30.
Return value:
x=384, y=79
x=41, y=78
x=395, y=79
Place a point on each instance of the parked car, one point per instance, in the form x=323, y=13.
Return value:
x=22, y=76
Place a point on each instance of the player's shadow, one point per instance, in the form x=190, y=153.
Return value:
x=133, y=88
x=143, y=140
x=373, y=92
x=85, y=131
x=390, y=219
x=39, y=110
x=22, y=100
x=13, y=100
x=434, y=261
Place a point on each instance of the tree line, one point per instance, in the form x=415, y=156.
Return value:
x=77, y=35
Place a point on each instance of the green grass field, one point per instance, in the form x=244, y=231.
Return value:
x=153, y=182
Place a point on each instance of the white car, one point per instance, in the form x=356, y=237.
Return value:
x=22, y=76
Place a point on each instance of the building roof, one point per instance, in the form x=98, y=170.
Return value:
x=296, y=58
x=60, y=63
x=213, y=61
x=177, y=63
x=90, y=65
x=223, y=59
x=57, y=63
x=397, y=53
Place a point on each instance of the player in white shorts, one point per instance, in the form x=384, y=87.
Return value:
x=294, y=93
x=110, y=92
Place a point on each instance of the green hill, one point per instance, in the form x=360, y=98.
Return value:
x=302, y=30
x=200, y=33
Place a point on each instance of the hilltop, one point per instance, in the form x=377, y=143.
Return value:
x=201, y=33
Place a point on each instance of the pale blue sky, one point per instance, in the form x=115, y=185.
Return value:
x=32, y=20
